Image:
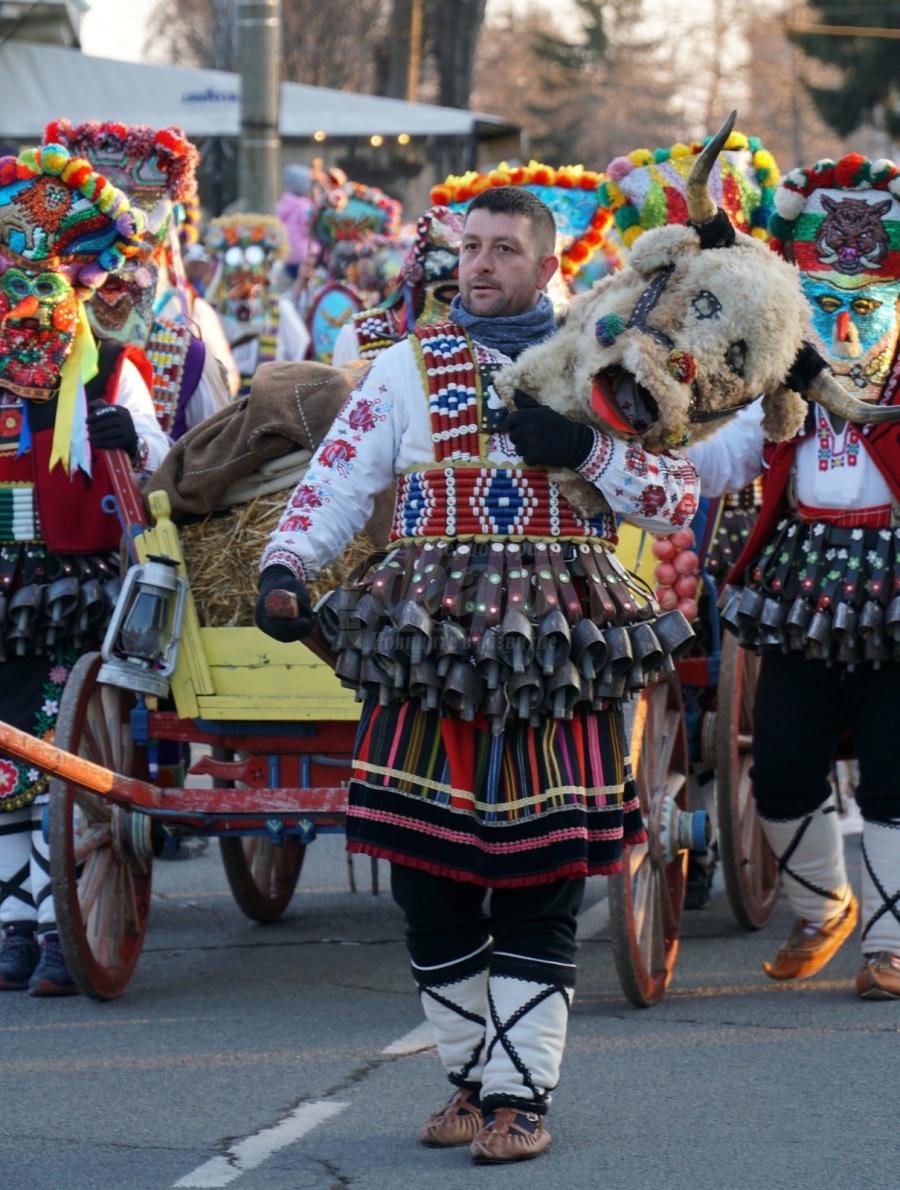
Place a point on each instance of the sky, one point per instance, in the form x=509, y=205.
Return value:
x=117, y=28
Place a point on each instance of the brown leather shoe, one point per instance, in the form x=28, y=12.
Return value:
x=880, y=977
x=806, y=953
x=510, y=1135
x=457, y=1123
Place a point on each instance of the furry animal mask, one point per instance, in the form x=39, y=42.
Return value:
x=703, y=321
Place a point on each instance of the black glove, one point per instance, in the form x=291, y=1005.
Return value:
x=111, y=427
x=544, y=438
x=279, y=578
x=806, y=367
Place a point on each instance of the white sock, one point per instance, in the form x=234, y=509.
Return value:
x=810, y=851
x=40, y=872
x=526, y=1030
x=455, y=1001
x=881, y=866
x=16, y=903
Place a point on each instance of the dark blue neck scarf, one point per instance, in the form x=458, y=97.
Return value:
x=512, y=334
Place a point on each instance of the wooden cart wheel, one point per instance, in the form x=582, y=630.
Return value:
x=749, y=868
x=101, y=858
x=645, y=900
x=261, y=875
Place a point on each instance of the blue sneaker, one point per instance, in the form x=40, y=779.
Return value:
x=19, y=954
x=51, y=976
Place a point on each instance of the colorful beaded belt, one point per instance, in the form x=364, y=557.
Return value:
x=495, y=502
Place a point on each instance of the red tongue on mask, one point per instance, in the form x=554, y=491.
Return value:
x=605, y=405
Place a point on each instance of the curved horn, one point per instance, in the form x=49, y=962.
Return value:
x=700, y=205
x=826, y=391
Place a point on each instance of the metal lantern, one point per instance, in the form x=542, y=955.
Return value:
x=140, y=649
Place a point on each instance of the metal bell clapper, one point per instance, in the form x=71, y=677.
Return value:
x=91, y=606
x=516, y=640
x=797, y=622
x=844, y=628
x=648, y=656
x=425, y=684
x=819, y=636
x=553, y=641
x=618, y=665
x=140, y=649
x=871, y=629
x=464, y=690
x=563, y=691
x=387, y=656
x=589, y=649
x=525, y=692
x=60, y=603
x=415, y=630
x=495, y=710
x=488, y=658
x=452, y=645
x=24, y=608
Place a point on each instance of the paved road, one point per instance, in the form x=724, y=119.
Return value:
x=255, y=1057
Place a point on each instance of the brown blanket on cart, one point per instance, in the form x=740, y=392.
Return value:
x=291, y=405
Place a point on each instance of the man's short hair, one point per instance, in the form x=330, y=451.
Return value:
x=516, y=200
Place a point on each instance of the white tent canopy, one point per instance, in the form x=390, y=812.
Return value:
x=40, y=83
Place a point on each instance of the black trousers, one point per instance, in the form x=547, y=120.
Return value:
x=446, y=919
x=803, y=709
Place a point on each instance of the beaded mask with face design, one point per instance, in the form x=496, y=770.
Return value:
x=63, y=229
x=156, y=168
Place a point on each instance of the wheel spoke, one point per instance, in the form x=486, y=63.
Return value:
x=94, y=808
x=93, y=879
x=98, y=731
x=89, y=840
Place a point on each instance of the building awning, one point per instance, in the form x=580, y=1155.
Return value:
x=40, y=83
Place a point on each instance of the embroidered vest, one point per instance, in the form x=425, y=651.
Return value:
x=376, y=330
x=468, y=494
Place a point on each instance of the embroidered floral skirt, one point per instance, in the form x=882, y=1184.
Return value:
x=30, y=690
x=530, y=806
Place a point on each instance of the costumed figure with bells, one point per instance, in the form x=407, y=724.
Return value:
x=429, y=281
x=816, y=589
x=261, y=327
x=492, y=646
x=148, y=305
x=63, y=229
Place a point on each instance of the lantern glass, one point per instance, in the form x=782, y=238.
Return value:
x=145, y=633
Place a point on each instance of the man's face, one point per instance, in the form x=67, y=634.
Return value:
x=501, y=269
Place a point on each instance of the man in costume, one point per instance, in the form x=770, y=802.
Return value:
x=149, y=305
x=63, y=229
x=816, y=588
x=428, y=284
x=485, y=758
x=261, y=327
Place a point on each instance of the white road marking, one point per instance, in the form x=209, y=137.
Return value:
x=593, y=921
x=420, y=1038
x=255, y=1149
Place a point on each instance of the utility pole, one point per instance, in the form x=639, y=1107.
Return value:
x=415, y=51
x=259, y=30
